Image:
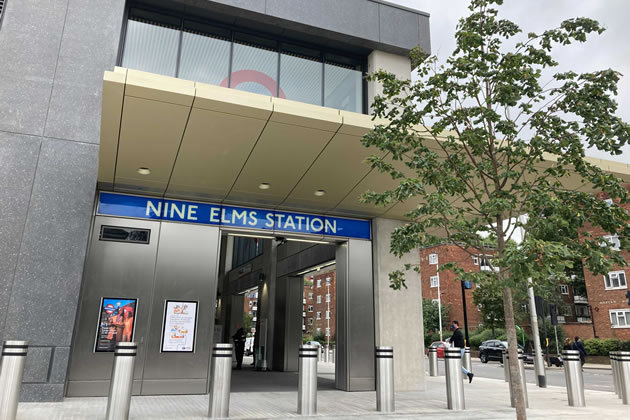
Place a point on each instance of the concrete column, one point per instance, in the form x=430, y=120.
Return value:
x=267, y=299
x=287, y=328
x=400, y=65
x=398, y=313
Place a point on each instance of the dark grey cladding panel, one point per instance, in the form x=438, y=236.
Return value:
x=41, y=392
x=18, y=160
x=357, y=26
x=424, y=27
x=356, y=18
x=29, y=43
x=50, y=264
x=89, y=47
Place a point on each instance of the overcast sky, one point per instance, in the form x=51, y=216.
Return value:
x=608, y=50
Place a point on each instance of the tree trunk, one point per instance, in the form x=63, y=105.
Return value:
x=515, y=373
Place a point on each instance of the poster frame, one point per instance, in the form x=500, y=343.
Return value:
x=194, y=345
x=100, y=317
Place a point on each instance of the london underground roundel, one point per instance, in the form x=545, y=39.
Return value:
x=109, y=308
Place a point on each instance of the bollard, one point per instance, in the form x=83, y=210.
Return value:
x=618, y=375
x=467, y=362
x=573, y=377
x=307, y=386
x=506, y=367
x=11, y=371
x=433, y=362
x=623, y=371
x=327, y=354
x=334, y=354
x=454, y=382
x=613, y=369
x=121, y=384
x=221, y=381
x=521, y=368
x=385, y=379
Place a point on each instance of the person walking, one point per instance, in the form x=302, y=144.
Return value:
x=567, y=344
x=457, y=340
x=579, y=346
x=239, y=345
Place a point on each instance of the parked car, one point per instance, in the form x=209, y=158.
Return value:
x=440, y=346
x=493, y=350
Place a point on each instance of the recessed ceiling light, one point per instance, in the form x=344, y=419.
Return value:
x=319, y=193
x=144, y=171
x=264, y=186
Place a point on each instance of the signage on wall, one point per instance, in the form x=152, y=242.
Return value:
x=180, y=326
x=116, y=323
x=112, y=204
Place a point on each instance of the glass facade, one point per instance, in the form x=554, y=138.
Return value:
x=245, y=249
x=213, y=54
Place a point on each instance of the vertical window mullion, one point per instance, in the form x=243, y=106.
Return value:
x=322, y=56
x=179, y=47
x=231, y=59
x=278, y=71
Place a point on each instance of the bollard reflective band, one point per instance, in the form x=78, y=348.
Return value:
x=5, y=353
x=384, y=353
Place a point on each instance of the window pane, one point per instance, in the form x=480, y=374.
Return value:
x=151, y=47
x=254, y=70
x=607, y=281
x=204, y=58
x=621, y=319
x=622, y=279
x=343, y=88
x=614, y=280
x=301, y=79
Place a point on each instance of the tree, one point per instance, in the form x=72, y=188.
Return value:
x=488, y=296
x=430, y=315
x=248, y=322
x=478, y=142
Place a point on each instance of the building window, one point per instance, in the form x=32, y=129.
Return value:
x=328, y=279
x=615, y=280
x=318, y=330
x=213, y=53
x=319, y=282
x=310, y=308
x=484, y=264
x=319, y=315
x=328, y=297
x=310, y=295
x=319, y=298
x=435, y=281
x=564, y=289
x=327, y=314
x=310, y=321
x=327, y=332
x=475, y=260
x=614, y=240
x=620, y=318
x=250, y=303
x=433, y=259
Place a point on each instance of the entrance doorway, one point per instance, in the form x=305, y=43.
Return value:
x=157, y=267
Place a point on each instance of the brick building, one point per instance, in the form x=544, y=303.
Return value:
x=250, y=303
x=446, y=282
x=607, y=294
x=319, y=302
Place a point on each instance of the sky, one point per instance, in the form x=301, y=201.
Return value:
x=608, y=50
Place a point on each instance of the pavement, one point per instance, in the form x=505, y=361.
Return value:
x=261, y=395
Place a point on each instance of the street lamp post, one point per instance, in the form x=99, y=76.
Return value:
x=440, y=308
x=328, y=312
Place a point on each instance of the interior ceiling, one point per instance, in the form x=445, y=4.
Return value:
x=208, y=143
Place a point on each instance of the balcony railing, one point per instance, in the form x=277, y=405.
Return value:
x=579, y=299
x=585, y=319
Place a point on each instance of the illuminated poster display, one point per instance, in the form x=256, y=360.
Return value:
x=116, y=323
x=180, y=326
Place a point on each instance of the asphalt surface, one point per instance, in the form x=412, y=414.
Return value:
x=594, y=379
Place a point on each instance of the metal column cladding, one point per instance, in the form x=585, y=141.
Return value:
x=122, y=205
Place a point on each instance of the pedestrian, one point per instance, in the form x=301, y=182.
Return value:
x=579, y=346
x=457, y=340
x=567, y=344
x=239, y=345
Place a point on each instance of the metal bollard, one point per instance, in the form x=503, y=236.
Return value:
x=433, y=362
x=619, y=375
x=506, y=367
x=467, y=362
x=454, y=382
x=334, y=354
x=11, y=371
x=121, y=384
x=573, y=377
x=613, y=369
x=521, y=368
x=385, y=379
x=623, y=371
x=307, y=386
x=327, y=354
x=221, y=381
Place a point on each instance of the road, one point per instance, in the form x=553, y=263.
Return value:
x=594, y=379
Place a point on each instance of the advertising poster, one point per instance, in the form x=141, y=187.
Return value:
x=116, y=322
x=180, y=325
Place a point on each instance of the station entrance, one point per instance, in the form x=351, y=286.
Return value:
x=173, y=288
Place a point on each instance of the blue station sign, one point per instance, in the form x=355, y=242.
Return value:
x=122, y=205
